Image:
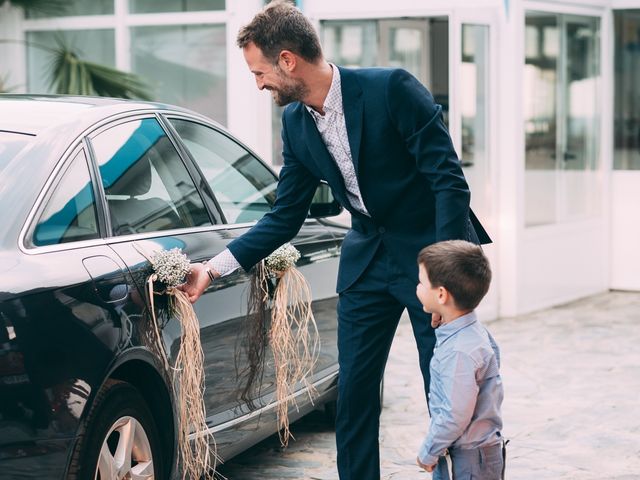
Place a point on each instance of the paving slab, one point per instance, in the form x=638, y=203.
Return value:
x=571, y=410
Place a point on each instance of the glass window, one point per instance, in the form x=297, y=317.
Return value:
x=561, y=99
x=72, y=8
x=187, y=64
x=627, y=90
x=70, y=213
x=156, y=6
x=95, y=45
x=146, y=184
x=244, y=187
x=474, y=110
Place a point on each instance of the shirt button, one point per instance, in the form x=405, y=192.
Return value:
x=382, y=230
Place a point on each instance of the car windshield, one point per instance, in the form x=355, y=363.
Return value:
x=10, y=144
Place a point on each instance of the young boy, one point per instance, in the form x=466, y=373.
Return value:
x=466, y=388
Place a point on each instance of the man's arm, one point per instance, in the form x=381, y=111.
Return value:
x=296, y=187
x=456, y=383
x=418, y=119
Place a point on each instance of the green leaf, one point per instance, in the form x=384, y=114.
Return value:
x=72, y=75
x=47, y=7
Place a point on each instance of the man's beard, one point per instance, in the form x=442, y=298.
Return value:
x=291, y=90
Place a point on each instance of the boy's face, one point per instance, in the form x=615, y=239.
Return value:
x=427, y=295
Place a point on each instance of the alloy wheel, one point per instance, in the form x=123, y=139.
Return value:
x=126, y=452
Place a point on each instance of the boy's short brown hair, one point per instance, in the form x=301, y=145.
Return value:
x=459, y=266
x=281, y=26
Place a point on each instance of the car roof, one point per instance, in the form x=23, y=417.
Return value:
x=31, y=114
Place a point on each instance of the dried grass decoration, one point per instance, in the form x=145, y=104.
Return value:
x=170, y=268
x=293, y=335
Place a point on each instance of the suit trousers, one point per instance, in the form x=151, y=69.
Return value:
x=368, y=315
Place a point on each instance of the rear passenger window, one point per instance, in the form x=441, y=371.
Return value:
x=70, y=213
x=147, y=186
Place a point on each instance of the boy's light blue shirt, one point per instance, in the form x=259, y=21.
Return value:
x=465, y=391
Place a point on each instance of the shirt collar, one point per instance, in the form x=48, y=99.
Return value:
x=333, y=101
x=449, y=329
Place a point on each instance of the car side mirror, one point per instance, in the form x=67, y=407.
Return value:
x=324, y=204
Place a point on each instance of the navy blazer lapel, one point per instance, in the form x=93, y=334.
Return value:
x=353, y=107
x=322, y=157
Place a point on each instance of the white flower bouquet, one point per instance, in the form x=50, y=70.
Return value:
x=170, y=269
x=292, y=333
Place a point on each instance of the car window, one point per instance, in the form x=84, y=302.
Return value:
x=243, y=186
x=146, y=185
x=70, y=213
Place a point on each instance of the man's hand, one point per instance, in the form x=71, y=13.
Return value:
x=428, y=468
x=436, y=320
x=197, y=282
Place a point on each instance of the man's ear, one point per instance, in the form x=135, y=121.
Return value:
x=287, y=60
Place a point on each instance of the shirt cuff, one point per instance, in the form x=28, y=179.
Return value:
x=425, y=458
x=224, y=263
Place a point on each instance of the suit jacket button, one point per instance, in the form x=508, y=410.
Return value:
x=382, y=230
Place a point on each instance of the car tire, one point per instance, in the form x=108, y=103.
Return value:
x=119, y=413
x=331, y=408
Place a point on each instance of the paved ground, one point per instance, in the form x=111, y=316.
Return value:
x=571, y=410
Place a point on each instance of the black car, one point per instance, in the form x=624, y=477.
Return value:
x=86, y=184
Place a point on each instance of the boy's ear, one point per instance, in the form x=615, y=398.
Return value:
x=443, y=295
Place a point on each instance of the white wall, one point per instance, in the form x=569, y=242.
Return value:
x=625, y=230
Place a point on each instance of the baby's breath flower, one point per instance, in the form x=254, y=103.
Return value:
x=171, y=266
x=284, y=257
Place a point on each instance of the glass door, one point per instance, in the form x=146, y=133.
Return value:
x=561, y=77
x=471, y=123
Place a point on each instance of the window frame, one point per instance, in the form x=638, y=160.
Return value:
x=195, y=176
x=50, y=188
x=218, y=129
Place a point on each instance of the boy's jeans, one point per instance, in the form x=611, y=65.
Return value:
x=483, y=463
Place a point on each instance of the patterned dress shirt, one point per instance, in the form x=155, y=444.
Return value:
x=333, y=130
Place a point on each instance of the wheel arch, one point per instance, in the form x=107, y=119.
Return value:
x=140, y=371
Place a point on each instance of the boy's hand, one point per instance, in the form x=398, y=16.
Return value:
x=428, y=468
x=436, y=320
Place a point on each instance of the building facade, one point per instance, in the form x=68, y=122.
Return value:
x=542, y=99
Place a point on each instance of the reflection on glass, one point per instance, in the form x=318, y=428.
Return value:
x=540, y=114
x=627, y=90
x=244, y=187
x=474, y=77
x=156, y=6
x=97, y=46
x=561, y=118
x=186, y=64
x=582, y=75
x=74, y=8
x=70, y=213
x=146, y=184
x=352, y=43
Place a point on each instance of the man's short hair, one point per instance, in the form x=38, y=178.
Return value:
x=281, y=26
x=459, y=266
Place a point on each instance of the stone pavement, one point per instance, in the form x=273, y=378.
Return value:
x=571, y=409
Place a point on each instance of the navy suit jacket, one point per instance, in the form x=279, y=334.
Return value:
x=409, y=176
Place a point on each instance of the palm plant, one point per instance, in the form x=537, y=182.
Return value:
x=70, y=73
x=41, y=6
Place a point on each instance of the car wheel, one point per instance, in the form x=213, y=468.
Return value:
x=120, y=438
x=331, y=408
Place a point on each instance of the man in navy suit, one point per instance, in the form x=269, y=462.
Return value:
x=377, y=137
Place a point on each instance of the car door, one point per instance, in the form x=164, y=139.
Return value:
x=153, y=204
x=245, y=190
